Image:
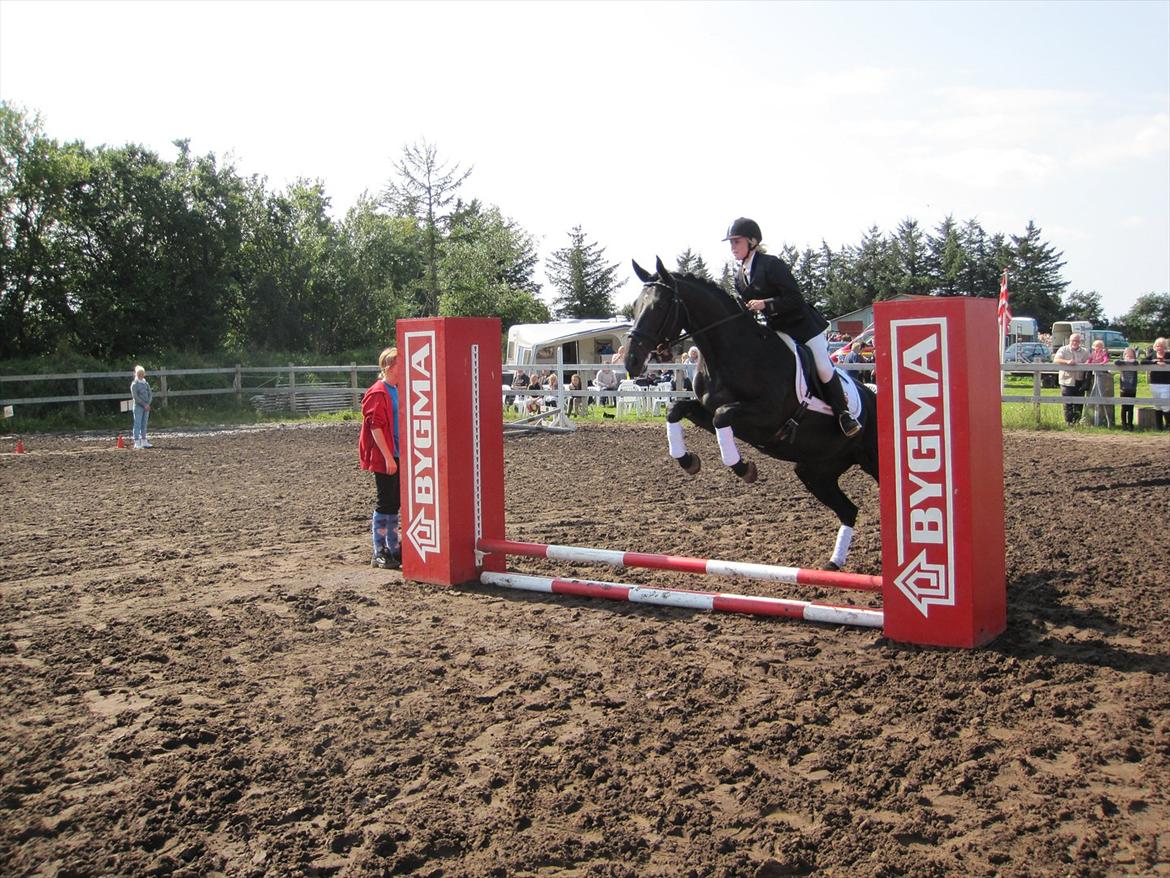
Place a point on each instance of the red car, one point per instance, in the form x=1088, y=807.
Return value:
x=866, y=339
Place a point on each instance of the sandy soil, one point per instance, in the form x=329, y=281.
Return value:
x=201, y=675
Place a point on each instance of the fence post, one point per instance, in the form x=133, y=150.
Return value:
x=81, y=394
x=162, y=391
x=1036, y=384
x=292, y=388
x=238, y=385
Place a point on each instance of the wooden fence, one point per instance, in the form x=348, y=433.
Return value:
x=301, y=388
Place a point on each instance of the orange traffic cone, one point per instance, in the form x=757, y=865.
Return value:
x=19, y=447
x=120, y=444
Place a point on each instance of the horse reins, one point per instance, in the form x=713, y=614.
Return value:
x=677, y=304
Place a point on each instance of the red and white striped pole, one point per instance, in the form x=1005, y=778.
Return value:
x=692, y=600
x=683, y=564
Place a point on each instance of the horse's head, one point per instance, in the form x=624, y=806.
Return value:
x=658, y=316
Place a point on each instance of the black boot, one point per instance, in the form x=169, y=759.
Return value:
x=836, y=399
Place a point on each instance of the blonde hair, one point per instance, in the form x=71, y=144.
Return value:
x=387, y=358
x=139, y=371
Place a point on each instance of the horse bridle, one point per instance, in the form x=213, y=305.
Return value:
x=675, y=306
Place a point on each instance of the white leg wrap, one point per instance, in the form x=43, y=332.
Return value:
x=727, y=449
x=674, y=438
x=841, y=549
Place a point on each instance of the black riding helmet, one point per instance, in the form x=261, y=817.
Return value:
x=742, y=227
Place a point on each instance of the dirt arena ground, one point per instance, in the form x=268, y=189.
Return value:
x=201, y=676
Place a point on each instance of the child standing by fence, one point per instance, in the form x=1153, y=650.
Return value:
x=142, y=395
x=1128, y=382
x=378, y=451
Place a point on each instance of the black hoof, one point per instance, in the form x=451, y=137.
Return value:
x=832, y=565
x=690, y=463
x=746, y=470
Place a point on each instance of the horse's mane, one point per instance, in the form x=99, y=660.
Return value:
x=708, y=287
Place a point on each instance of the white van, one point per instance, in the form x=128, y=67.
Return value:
x=1062, y=330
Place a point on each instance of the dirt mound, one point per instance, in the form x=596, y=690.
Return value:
x=201, y=675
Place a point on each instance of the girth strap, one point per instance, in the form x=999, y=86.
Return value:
x=787, y=433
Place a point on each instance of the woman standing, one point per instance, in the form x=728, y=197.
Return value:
x=143, y=396
x=1160, y=382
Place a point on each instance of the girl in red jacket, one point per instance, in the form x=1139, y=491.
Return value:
x=378, y=451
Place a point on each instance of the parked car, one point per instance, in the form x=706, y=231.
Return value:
x=1028, y=352
x=866, y=339
x=1031, y=352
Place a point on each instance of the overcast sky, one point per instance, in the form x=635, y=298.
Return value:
x=652, y=125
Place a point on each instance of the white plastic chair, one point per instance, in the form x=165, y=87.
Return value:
x=660, y=402
x=631, y=398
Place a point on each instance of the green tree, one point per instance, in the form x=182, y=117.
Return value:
x=1034, y=276
x=1082, y=305
x=874, y=272
x=583, y=279
x=689, y=262
x=1149, y=318
x=840, y=292
x=37, y=258
x=726, y=280
x=380, y=261
x=911, y=259
x=488, y=268
x=947, y=258
x=805, y=268
x=425, y=188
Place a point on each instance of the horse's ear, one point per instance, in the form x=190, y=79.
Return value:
x=643, y=275
x=664, y=276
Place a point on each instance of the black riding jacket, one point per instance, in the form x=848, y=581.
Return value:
x=786, y=309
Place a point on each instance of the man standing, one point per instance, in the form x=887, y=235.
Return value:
x=1072, y=381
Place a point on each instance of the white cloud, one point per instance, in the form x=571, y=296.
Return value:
x=1125, y=139
x=990, y=167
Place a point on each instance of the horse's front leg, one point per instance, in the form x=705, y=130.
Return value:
x=685, y=408
x=723, y=420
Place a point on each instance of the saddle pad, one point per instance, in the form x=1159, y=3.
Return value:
x=816, y=404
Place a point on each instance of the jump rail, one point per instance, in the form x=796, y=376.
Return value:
x=681, y=563
x=693, y=600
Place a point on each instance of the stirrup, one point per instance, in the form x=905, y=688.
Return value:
x=848, y=425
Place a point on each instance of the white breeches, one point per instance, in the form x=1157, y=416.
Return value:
x=819, y=346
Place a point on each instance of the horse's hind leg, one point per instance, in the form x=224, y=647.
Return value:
x=823, y=484
x=685, y=408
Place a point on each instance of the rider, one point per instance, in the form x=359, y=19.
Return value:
x=765, y=283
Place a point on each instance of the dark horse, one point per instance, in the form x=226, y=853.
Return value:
x=746, y=389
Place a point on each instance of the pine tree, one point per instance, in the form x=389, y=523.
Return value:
x=690, y=262
x=874, y=271
x=946, y=258
x=426, y=186
x=1034, y=277
x=910, y=256
x=585, y=282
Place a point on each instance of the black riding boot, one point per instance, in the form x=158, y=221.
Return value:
x=836, y=398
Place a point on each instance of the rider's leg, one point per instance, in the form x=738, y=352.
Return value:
x=832, y=382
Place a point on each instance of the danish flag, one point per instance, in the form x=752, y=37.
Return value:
x=1005, y=311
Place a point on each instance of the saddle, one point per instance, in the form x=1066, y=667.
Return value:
x=810, y=390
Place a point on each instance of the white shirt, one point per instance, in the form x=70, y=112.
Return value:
x=747, y=266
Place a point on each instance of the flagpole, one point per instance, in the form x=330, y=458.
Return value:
x=1003, y=320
